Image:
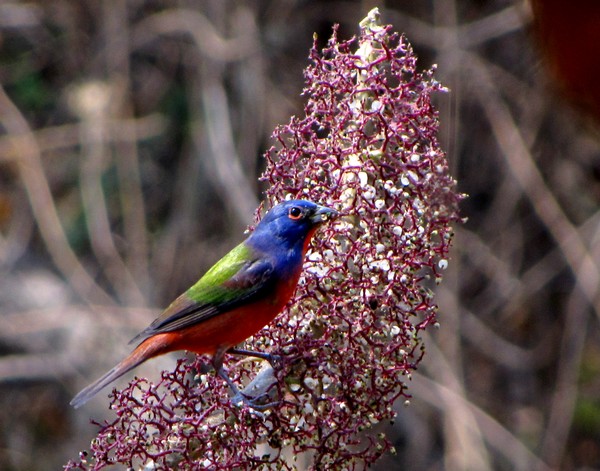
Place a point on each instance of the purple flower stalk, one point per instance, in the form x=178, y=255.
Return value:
x=348, y=343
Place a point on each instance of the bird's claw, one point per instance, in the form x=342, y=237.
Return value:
x=274, y=360
x=239, y=399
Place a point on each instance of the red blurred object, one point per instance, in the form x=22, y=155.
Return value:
x=569, y=33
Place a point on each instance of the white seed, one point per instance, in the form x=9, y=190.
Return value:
x=353, y=161
x=363, y=177
x=310, y=382
x=369, y=192
x=376, y=105
x=384, y=265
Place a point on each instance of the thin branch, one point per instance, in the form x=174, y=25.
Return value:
x=42, y=203
x=501, y=439
x=525, y=171
x=117, y=36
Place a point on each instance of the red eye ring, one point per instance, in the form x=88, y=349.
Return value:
x=295, y=213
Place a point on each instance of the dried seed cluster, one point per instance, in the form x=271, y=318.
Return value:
x=366, y=146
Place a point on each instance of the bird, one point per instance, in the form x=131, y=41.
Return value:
x=239, y=295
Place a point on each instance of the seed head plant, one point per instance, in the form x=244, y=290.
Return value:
x=347, y=344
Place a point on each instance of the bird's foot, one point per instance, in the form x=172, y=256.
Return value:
x=274, y=360
x=260, y=393
x=262, y=385
x=253, y=402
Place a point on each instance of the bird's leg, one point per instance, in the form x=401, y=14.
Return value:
x=217, y=362
x=238, y=396
x=274, y=360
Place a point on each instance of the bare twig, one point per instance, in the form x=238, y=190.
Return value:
x=501, y=439
x=42, y=204
x=127, y=159
x=91, y=101
x=523, y=168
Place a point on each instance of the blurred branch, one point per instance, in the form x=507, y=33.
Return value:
x=564, y=397
x=91, y=101
x=471, y=34
x=224, y=163
x=57, y=138
x=500, y=350
x=233, y=184
x=465, y=449
x=42, y=204
x=525, y=171
x=463, y=441
x=15, y=243
x=502, y=440
x=118, y=49
x=203, y=32
x=498, y=270
x=81, y=330
x=19, y=15
x=573, y=246
x=35, y=367
x=515, y=291
x=544, y=270
x=566, y=391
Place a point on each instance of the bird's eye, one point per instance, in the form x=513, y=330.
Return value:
x=295, y=213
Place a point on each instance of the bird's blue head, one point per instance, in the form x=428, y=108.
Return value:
x=290, y=224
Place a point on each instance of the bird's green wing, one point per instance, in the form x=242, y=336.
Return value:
x=238, y=277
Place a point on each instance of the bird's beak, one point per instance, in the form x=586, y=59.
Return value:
x=323, y=214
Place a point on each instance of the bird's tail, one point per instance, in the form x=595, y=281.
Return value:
x=148, y=349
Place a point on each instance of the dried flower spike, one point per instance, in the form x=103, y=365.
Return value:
x=367, y=146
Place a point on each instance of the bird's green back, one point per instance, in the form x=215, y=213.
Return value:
x=210, y=288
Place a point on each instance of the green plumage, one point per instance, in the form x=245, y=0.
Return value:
x=237, y=277
x=250, y=285
x=211, y=287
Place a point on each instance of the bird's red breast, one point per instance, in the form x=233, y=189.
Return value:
x=236, y=298
x=232, y=327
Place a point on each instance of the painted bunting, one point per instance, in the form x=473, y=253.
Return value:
x=238, y=296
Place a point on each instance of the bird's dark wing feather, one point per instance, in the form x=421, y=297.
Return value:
x=203, y=300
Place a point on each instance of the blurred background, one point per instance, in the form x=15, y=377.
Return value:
x=131, y=141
